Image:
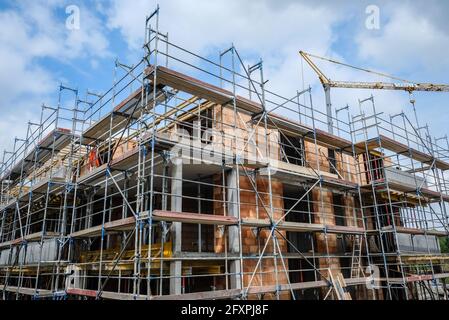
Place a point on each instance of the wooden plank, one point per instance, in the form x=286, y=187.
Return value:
x=197, y=218
x=205, y=295
x=344, y=229
x=398, y=147
x=82, y=292
x=415, y=231
x=37, y=236
x=427, y=194
x=301, y=226
x=214, y=295
x=38, y=188
x=5, y=244
x=423, y=258
x=338, y=183
x=109, y=227
x=100, y=129
x=283, y=168
x=417, y=277
x=200, y=88
x=56, y=139
x=119, y=115
x=28, y=291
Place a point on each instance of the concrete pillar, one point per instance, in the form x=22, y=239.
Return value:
x=234, y=237
x=176, y=229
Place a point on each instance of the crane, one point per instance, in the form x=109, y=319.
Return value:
x=402, y=84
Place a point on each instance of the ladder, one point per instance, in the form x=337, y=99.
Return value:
x=356, y=261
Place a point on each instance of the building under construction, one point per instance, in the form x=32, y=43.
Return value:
x=188, y=179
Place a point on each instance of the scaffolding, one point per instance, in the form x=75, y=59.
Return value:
x=189, y=179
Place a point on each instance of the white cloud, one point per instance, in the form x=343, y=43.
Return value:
x=29, y=33
x=272, y=30
x=409, y=40
x=277, y=31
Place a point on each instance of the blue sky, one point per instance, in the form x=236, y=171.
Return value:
x=37, y=51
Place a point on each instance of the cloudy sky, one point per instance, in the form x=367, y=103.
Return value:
x=38, y=51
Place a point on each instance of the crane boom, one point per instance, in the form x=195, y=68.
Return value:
x=402, y=84
x=390, y=86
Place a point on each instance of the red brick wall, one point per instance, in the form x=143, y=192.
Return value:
x=266, y=273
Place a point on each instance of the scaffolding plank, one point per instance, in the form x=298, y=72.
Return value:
x=189, y=217
x=302, y=226
x=50, y=183
x=28, y=291
x=337, y=182
x=11, y=203
x=227, y=294
x=431, y=195
x=205, y=295
x=344, y=229
x=105, y=294
x=418, y=277
x=82, y=292
x=5, y=244
x=56, y=140
x=39, y=187
x=219, y=95
x=217, y=294
x=114, y=120
x=109, y=227
x=424, y=257
x=99, y=131
x=117, y=119
x=398, y=147
x=200, y=88
x=299, y=226
x=415, y=231
x=97, y=173
x=284, y=170
x=33, y=237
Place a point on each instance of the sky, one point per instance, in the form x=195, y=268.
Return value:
x=40, y=48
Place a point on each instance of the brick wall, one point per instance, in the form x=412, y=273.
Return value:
x=266, y=274
x=324, y=214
